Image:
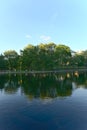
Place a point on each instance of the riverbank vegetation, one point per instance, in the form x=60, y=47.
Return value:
x=49, y=56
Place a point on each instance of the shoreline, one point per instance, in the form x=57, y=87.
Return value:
x=44, y=71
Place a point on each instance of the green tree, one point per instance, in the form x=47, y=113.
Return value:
x=62, y=55
x=3, y=63
x=30, y=57
x=12, y=59
x=78, y=60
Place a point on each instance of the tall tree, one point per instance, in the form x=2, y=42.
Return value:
x=12, y=59
x=30, y=57
x=62, y=55
x=3, y=63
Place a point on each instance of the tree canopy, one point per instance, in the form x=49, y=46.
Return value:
x=49, y=56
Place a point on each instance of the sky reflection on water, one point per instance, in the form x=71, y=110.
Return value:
x=43, y=103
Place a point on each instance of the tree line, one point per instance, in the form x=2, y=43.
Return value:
x=48, y=56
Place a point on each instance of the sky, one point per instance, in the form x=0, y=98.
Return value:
x=24, y=22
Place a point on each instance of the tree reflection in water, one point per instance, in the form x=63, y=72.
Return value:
x=9, y=83
x=42, y=86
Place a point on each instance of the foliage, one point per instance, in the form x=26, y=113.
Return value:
x=49, y=56
x=11, y=57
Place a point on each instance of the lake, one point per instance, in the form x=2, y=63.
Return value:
x=43, y=102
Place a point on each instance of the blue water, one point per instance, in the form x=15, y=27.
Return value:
x=19, y=111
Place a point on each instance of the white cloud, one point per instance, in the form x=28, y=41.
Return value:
x=28, y=36
x=45, y=38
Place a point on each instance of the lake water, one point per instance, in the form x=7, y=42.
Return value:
x=43, y=102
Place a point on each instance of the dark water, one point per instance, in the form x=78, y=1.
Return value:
x=43, y=102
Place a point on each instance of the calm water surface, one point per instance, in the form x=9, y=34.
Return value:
x=43, y=102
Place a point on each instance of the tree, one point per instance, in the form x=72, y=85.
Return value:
x=30, y=57
x=78, y=60
x=12, y=59
x=62, y=55
x=84, y=54
x=3, y=63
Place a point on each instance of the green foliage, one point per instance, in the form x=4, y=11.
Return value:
x=62, y=55
x=10, y=54
x=11, y=57
x=78, y=60
x=42, y=57
x=3, y=63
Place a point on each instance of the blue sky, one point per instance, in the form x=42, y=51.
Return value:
x=42, y=21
